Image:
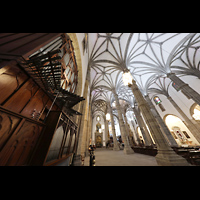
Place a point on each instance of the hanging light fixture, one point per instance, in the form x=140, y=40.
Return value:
x=108, y=116
x=114, y=104
x=127, y=78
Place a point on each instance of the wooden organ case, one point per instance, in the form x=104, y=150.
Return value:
x=38, y=79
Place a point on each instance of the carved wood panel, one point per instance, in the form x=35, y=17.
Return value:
x=16, y=103
x=7, y=124
x=38, y=102
x=19, y=148
x=11, y=77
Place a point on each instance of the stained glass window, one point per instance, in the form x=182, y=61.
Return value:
x=98, y=118
x=157, y=100
x=176, y=87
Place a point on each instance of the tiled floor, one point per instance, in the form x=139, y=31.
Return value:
x=106, y=157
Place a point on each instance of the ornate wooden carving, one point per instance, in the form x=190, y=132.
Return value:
x=54, y=66
x=7, y=124
x=18, y=138
x=24, y=101
x=37, y=102
x=59, y=127
x=29, y=89
x=18, y=149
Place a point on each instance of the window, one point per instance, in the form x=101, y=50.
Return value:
x=98, y=118
x=157, y=100
x=175, y=86
x=186, y=134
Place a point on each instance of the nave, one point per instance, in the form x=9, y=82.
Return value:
x=62, y=92
x=108, y=157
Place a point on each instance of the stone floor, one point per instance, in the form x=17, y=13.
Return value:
x=108, y=157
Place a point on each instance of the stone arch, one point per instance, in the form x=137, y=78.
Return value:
x=74, y=39
x=179, y=128
x=79, y=86
x=192, y=109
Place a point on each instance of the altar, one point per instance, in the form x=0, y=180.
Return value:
x=98, y=139
x=98, y=136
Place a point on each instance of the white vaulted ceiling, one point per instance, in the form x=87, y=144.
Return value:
x=148, y=56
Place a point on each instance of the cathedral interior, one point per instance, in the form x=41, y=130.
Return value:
x=85, y=99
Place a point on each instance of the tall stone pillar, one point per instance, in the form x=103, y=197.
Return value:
x=81, y=149
x=106, y=129
x=116, y=146
x=126, y=122
x=84, y=119
x=165, y=156
x=127, y=148
x=128, y=129
x=89, y=131
x=135, y=134
x=185, y=88
x=162, y=124
x=145, y=134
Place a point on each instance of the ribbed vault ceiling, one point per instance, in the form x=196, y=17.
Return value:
x=148, y=56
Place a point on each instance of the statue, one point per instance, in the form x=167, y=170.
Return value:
x=98, y=126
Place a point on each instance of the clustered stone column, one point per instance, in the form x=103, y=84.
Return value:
x=164, y=128
x=82, y=141
x=88, y=130
x=165, y=156
x=128, y=129
x=127, y=148
x=116, y=147
x=106, y=129
x=143, y=129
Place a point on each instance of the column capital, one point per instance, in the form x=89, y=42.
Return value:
x=114, y=93
x=170, y=74
x=113, y=90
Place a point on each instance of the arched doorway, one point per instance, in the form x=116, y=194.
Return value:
x=179, y=131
